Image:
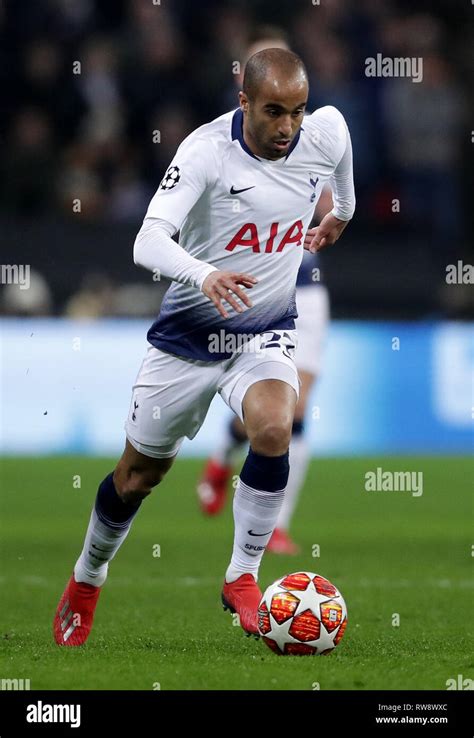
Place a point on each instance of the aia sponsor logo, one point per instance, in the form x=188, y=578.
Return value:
x=269, y=243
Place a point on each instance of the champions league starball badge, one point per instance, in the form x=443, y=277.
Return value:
x=170, y=179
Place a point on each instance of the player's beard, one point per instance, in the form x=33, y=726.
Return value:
x=264, y=143
x=272, y=152
x=268, y=146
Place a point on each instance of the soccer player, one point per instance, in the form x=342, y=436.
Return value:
x=312, y=302
x=240, y=190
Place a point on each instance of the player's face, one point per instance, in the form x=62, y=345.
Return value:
x=274, y=117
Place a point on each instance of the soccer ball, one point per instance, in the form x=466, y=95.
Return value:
x=302, y=614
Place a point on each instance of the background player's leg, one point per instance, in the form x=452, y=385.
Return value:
x=268, y=409
x=234, y=437
x=212, y=486
x=281, y=542
x=119, y=496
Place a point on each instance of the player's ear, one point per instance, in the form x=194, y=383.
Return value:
x=244, y=102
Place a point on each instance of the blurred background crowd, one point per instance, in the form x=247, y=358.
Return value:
x=97, y=95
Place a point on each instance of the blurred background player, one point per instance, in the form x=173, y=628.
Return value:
x=312, y=302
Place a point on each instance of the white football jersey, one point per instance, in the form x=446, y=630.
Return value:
x=242, y=213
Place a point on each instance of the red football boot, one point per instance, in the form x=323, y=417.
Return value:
x=243, y=597
x=75, y=613
x=281, y=543
x=212, y=489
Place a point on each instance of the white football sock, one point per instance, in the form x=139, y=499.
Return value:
x=299, y=460
x=255, y=512
x=100, y=546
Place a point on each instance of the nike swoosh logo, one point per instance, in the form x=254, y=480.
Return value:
x=251, y=533
x=236, y=192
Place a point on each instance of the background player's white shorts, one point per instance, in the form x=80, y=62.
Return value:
x=312, y=322
x=171, y=395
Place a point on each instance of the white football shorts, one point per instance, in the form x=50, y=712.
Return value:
x=172, y=394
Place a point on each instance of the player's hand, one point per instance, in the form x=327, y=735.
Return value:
x=325, y=234
x=220, y=286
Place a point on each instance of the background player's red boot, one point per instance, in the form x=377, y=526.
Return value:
x=212, y=489
x=75, y=613
x=281, y=543
x=243, y=597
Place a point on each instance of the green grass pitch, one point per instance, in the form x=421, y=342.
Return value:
x=159, y=619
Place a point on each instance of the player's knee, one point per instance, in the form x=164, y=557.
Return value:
x=134, y=484
x=271, y=438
